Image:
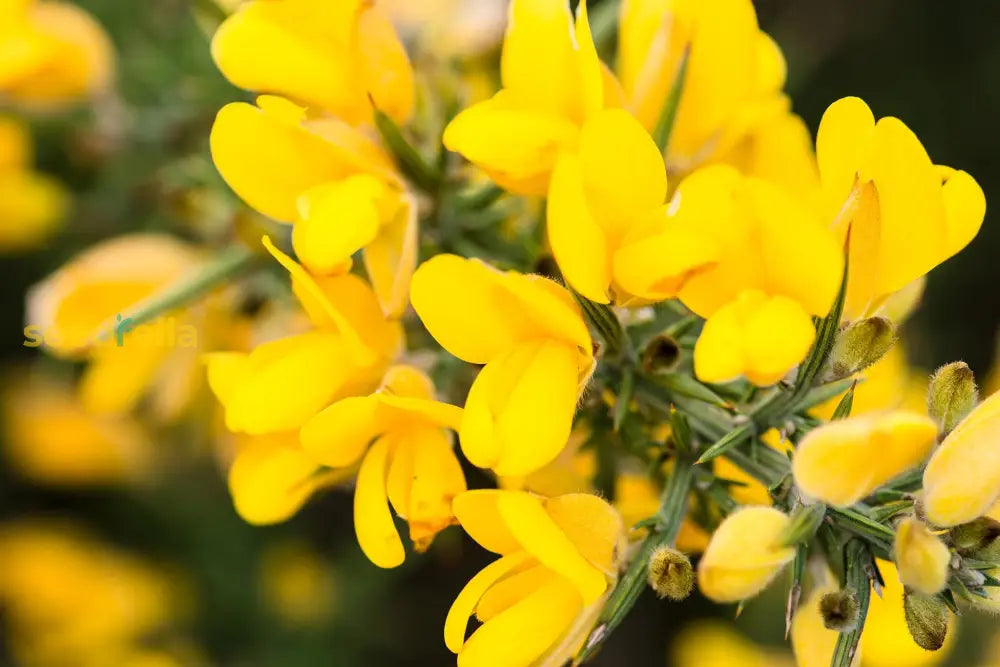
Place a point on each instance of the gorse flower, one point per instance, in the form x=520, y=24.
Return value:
x=922, y=558
x=538, y=354
x=559, y=558
x=843, y=461
x=32, y=205
x=744, y=554
x=885, y=194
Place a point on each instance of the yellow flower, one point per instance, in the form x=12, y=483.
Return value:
x=52, y=53
x=334, y=182
x=608, y=226
x=32, y=205
x=886, y=639
x=717, y=644
x=297, y=583
x=921, y=557
x=529, y=332
x=51, y=439
x=962, y=479
x=72, y=599
x=539, y=600
x=282, y=384
x=879, y=183
x=777, y=267
x=410, y=462
x=553, y=81
x=341, y=57
x=843, y=461
x=743, y=555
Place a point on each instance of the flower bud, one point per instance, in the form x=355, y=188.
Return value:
x=805, y=522
x=926, y=619
x=979, y=539
x=839, y=610
x=670, y=574
x=744, y=554
x=922, y=559
x=660, y=354
x=952, y=395
x=860, y=345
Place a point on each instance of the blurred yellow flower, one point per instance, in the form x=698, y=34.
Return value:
x=32, y=205
x=297, y=584
x=52, y=53
x=743, y=554
x=340, y=57
x=921, y=558
x=760, y=296
x=879, y=184
x=843, y=461
x=962, y=479
x=717, y=644
x=559, y=559
x=410, y=462
x=529, y=332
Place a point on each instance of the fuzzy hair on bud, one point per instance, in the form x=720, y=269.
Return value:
x=926, y=619
x=859, y=345
x=922, y=558
x=839, y=610
x=670, y=574
x=952, y=395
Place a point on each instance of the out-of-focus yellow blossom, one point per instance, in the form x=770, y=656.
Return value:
x=962, y=479
x=777, y=267
x=843, y=461
x=637, y=498
x=410, y=462
x=297, y=584
x=75, y=310
x=32, y=205
x=887, y=641
x=68, y=599
x=610, y=231
x=537, y=603
x=744, y=555
x=450, y=27
x=749, y=490
x=51, y=439
x=921, y=558
x=52, y=53
x=331, y=179
x=717, y=644
x=529, y=332
x=553, y=82
x=340, y=57
x=879, y=184
x=812, y=642
x=282, y=384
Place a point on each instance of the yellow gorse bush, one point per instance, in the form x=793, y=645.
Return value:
x=685, y=351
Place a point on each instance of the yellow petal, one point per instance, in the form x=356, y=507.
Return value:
x=510, y=590
x=479, y=515
x=284, y=160
x=965, y=207
x=589, y=66
x=339, y=434
x=465, y=604
x=812, y=643
x=336, y=220
x=391, y=258
x=922, y=558
x=226, y=371
x=962, y=479
x=372, y=520
x=117, y=377
x=436, y=480
x=521, y=634
x=577, y=239
x=592, y=525
x=843, y=461
x=843, y=144
x=519, y=412
x=540, y=536
x=657, y=267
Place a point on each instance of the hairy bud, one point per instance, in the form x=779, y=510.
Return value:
x=979, y=539
x=952, y=395
x=670, y=574
x=839, y=610
x=926, y=619
x=860, y=345
x=660, y=354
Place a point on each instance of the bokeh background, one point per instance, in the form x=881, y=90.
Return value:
x=162, y=557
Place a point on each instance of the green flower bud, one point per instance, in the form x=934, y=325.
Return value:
x=860, y=345
x=979, y=539
x=839, y=610
x=952, y=395
x=660, y=354
x=926, y=618
x=670, y=574
x=805, y=522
